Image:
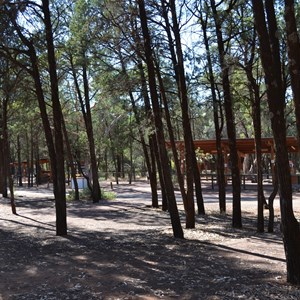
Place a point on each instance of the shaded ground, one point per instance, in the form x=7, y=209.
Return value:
x=122, y=249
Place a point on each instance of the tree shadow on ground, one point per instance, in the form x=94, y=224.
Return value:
x=93, y=265
x=124, y=250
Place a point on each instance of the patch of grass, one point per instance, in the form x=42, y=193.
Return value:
x=108, y=195
x=85, y=194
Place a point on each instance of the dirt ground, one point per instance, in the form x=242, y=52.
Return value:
x=123, y=249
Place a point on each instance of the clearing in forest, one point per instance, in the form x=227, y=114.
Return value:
x=123, y=249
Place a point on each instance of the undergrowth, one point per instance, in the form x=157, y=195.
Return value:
x=85, y=194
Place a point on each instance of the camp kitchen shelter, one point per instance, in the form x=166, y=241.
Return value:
x=244, y=146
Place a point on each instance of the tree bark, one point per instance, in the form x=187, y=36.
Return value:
x=255, y=100
x=192, y=171
x=1, y=166
x=173, y=210
x=96, y=192
x=271, y=200
x=5, y=147
x=19, y=169
x=12, y=196
x=59, y=176
x=155, y=162
x=180, y=178
x=149, y=159
x=86, y=112
x=31, y=155
x=270, y=57
x=56, y=159
x=293, y=47
x=218, y=126
x=230, y=122
x=37, y=162
x=187, y=133
x=71, y=160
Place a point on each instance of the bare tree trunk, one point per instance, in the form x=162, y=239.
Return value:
x=56, y=160
x=293, y=47
x=70, y=159
x=192, y=171
x=86, y=112
x=37, y=163
x=12, y=196
x=188, y=139
x=175, y=220
x=218, y=126
x=255, y=100
x=256, y=112
x=270, y=58
x=230, y=122
x=180, y=178
x=5, y=148
x=20, y=171
x=96, y=192
x=2, y=151
x=27, y=159
x=31, y=155
x=271, y=200
x=155, y=162
x=59, y=176
x=149, y=159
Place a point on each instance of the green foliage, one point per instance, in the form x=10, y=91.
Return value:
x=85, y=194
x=104, y=35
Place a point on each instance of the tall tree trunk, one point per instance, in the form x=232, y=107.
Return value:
x=230, y=122
x=114, y=156
x=106, y=164
x=149, y=159
x=187, y=133
x=155, y=162
x=270, y=57
x=255, y=100
x=175, y=220
x=271, y=200
x=1, y=165
x=31, y=155
x=293, y=46
x=12, y=196
x=20, y=171
x=131, y=170
x=192, y=171
x=256, y=113
x=70, y=159
x=155, y=154
x=59, y=176
x=180, y=178
x=5, y=149
x=37, y=162
x=218, y=126
x=27, y=159
x=86, y=112
x=59, y=192
x=96, y=192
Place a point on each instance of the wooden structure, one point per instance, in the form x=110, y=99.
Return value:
x=244, y=147
x=44, y=165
